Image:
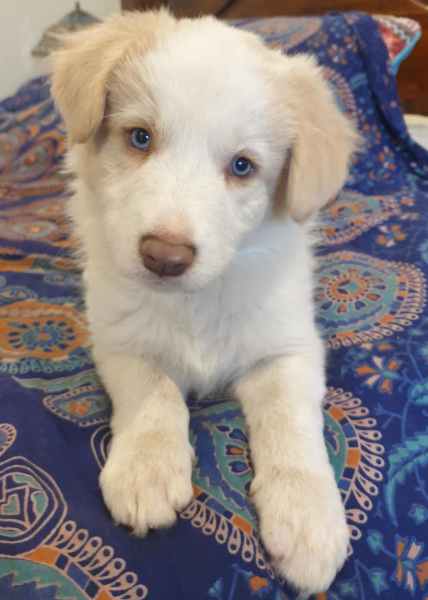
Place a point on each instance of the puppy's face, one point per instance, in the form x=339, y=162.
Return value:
x=190, y=156
x=196, y=144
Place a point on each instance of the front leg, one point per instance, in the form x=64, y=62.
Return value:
x=301, y=516
x=147, y=476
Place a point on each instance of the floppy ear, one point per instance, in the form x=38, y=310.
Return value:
x=324, y=138
x=82, y=68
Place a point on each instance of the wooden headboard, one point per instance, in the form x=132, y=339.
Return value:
x=413, y=74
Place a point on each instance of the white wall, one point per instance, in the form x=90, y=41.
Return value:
x=22, y=22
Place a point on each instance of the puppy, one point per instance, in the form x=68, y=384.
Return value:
x=200, y=156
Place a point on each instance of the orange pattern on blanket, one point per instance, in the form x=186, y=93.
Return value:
x=33, y=329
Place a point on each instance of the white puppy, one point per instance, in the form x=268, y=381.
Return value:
x=199, y=156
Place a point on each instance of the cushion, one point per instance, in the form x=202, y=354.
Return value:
x=400, y=35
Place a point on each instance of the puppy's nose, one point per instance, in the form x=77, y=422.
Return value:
x=166, y=258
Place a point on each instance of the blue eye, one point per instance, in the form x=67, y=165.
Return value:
x=140, y=138
x=241, y=166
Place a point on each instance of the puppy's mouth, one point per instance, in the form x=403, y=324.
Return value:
x=166, y=283
x=191, y=282
x=197, y=277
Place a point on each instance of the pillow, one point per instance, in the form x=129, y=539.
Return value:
x=400, y=35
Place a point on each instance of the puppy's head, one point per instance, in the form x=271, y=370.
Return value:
x=191, y=135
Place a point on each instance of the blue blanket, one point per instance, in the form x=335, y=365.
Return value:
x=57, y=540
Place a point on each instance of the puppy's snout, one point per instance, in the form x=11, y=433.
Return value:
x=166, y=258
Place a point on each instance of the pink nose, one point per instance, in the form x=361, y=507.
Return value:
x=166, y=258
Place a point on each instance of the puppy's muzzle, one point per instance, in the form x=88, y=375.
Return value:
x=166, y=258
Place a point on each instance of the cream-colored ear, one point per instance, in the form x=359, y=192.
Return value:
x=81, y=69
x=324, y=138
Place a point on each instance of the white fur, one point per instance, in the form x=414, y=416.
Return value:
x=243, y=315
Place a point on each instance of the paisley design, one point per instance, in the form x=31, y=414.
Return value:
x=29, y=153
x=7, y=436
x=9, y=294
x=361, y=298
x=352, y=214
x=221, y=430
x=100, y=442
x=355, y=453
x=42, y=221
x=56, y=385
x=85, y=405
x=221, y=478
x=223, y=471
x=36, y=161
x=79, y=398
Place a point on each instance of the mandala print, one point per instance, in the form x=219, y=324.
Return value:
x=32, y=329
x=361, y=298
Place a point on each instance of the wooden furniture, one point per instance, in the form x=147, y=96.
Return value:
x=413, y=74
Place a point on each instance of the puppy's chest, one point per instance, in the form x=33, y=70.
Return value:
x=202, y=346
x=202, y=341
x=199, y=349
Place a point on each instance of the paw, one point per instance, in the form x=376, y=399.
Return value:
x=147, y=479
x=303, y=527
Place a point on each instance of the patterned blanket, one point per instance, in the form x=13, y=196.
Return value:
x=57, y=540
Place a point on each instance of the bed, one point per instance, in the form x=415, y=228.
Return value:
x=413, y=77
x=57, y=541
